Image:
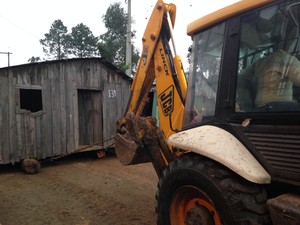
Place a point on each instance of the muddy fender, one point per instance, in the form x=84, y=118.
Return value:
x=221, y=146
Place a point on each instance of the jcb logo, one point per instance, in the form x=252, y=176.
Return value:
x=166, y=100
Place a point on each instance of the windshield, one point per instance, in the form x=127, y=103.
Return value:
x=204, y=75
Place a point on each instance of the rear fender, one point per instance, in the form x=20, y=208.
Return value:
x=221, y=146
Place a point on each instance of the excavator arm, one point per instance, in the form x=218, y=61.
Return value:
x=138, y=139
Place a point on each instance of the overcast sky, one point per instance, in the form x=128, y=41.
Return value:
x=24, y=23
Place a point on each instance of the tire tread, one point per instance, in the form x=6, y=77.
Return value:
x=246, y=200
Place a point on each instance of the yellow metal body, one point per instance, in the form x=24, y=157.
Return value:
x=158, y=64
x=224, y=13
x=138, y=139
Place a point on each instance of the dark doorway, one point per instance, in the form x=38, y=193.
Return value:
x=90, y=117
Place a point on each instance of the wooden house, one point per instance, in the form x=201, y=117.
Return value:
x=56, y=108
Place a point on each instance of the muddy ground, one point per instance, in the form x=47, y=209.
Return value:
x=81, y=189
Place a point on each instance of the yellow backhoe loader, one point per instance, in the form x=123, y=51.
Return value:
x=226, y=146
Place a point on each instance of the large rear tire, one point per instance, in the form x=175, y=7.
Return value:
x=194, y=190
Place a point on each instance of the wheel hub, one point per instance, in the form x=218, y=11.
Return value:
x=191, y=206
x=199, y=216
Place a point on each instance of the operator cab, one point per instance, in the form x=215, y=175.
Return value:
x=245, y=78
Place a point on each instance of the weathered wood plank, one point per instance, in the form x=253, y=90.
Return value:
x=56, y=114
x=4, y=118
x=62, y=96
x=47, y=106
x=72, y=105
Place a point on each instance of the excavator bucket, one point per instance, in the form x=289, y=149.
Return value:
x=128, y=152
x=128, y=141
x=139, y=140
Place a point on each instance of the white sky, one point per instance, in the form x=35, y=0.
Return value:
x=24, y=23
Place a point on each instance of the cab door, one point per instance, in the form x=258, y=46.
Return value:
x=265, y=113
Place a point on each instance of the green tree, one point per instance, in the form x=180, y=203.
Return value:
x=112, y=45
x=82, y=42
x=34, y=59
x=56, y=42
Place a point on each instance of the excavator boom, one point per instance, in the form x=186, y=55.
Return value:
x=136, y=135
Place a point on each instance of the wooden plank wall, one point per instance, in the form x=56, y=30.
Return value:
x=4, y=118
x=55, y=130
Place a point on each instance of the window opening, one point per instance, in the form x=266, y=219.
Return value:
x=31, y=100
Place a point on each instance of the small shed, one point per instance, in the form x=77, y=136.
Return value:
x=56, y=108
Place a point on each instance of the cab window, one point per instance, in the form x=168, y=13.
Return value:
x=269, y=67
x=204, y=74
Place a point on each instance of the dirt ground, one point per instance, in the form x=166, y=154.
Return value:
x=79, y=190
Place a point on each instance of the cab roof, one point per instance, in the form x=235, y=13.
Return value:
x=224, y=13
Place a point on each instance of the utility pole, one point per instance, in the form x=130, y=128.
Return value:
x=128, y=40
x=8, y=60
